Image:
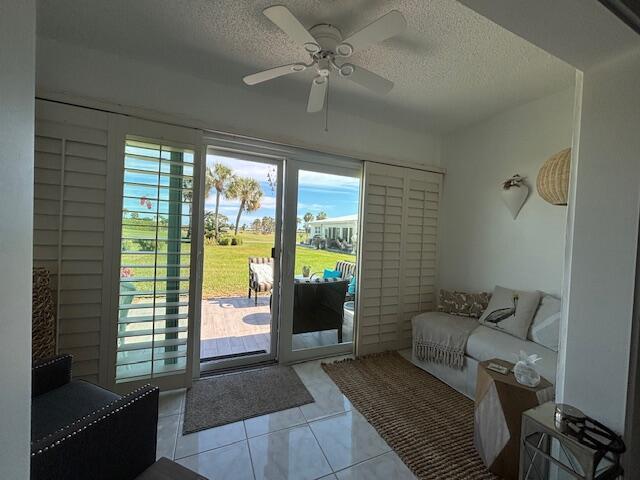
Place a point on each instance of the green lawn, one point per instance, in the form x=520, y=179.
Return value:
x=226, y=268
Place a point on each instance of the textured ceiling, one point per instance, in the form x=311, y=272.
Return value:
x=451, y=67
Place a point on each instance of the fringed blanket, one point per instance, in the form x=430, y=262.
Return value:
x=442, y=338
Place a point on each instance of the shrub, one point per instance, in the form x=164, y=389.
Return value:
x=146, y=245
x=224, y=241
x=236, y=241
x=127, y=245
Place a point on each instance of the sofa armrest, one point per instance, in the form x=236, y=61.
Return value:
x=50, y=373
x=115, y=441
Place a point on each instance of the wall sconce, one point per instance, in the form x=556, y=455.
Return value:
x=514, y=194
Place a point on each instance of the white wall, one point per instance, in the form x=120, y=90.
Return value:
x=480, y=244
x=605, y=215
x=105, y=76
x=603, y=219
x=17, y=76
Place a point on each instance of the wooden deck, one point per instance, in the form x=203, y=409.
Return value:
x=235, y=325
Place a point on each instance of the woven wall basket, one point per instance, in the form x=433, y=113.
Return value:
x=553, y=178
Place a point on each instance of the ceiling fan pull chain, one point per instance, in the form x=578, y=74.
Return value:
x=326, y=110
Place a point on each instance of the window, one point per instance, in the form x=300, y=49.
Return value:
x=155, y=261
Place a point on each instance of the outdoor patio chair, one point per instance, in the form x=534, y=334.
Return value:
x=346, y=269
x=254, y=284
x=318, y=305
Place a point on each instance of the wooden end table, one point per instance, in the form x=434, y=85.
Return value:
x=500, y=403
x=165, y=469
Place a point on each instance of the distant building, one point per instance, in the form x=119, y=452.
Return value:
x=344, y=228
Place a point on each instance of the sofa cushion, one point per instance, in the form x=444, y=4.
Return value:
x=486, y=343
x=545, y=328
x=62, y=406
x=511, y=311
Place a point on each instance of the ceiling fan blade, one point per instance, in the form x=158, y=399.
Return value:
x=317, y=94
x=385, y=27
x=366, y=79
x=285, y=20
x=274, y=73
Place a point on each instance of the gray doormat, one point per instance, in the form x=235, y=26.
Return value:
x=223, y=399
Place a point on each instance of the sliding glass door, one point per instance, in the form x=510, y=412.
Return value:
x=277, y=256
x=320, y=272
x=240, y=262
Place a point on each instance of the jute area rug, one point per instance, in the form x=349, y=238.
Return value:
x=426, y=422
x=228, y=398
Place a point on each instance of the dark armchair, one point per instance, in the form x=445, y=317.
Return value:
x=319, y=305
x=82, y=431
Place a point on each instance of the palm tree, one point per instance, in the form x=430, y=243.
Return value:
x=321, y=216
x=220, y=178
x=308, y=217
x=248, y=191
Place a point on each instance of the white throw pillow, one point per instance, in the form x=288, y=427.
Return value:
x=545, y=328
x=511, y=311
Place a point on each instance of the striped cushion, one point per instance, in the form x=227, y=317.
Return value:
x=260, y=260
x=347, y=269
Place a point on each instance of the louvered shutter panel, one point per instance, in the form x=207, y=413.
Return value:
x=419, y=260
x=398, y=254
x=155, y=261
x=69, y=210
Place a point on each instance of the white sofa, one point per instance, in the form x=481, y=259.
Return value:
x=486, y=343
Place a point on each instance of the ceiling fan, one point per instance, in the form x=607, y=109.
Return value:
x=326, y=49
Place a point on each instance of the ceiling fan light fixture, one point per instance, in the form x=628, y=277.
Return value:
x=319, y=80
x=312, y=47
x=298, y=67
x=344, y=50
x=346, y=69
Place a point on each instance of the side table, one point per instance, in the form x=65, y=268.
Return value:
x=500, y=403
x=165, y=469
x=546, y=452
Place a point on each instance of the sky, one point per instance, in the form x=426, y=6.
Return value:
x=140, y=190
x=334, y=194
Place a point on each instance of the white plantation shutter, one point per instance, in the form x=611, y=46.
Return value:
x=78, y=201
x=69, y=221
x=155, y=261
x=419, y=262
x=398, y=254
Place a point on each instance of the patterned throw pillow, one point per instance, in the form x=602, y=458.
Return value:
x=511, y=311
x=463, y=304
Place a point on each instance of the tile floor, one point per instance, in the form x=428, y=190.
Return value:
x=327, y=439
